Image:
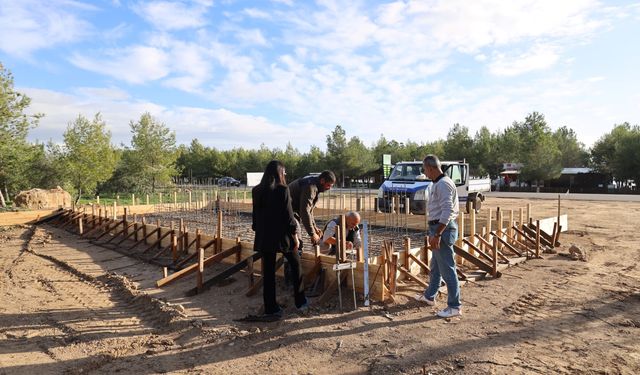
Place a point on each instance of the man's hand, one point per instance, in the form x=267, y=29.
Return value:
x=434, y=242
x=296, y=242
x=315, y=239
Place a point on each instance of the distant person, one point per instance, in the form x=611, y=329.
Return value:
x=304, y=196
x=330, y=238
x=276, y=231
x=443, y=233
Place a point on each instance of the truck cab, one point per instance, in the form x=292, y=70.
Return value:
x=405, y=191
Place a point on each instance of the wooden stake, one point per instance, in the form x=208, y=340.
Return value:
x=537, y=238
x=200, y=268
x=495, y=257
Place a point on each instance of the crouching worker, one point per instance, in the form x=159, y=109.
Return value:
x=330, y=238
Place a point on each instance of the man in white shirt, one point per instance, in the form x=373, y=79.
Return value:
x=443, y=208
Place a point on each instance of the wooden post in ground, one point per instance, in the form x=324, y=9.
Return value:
x=219, y=232
x=160, y=198
x=537, y=238
x=97, y=199
x=200, y=268
x=135, y=227
x=528, y=212
x=472, y=228
x=488, y=225
x=133, y=199
x=99, y=215
x=393, y=269
x=343, y=237
x=459, y=260
x=405, y=257
x=198, y=238
x=80, y=229
x=174, y=245
x=175, y=201
x=510, y=226
x=159, y=234
x=144, y=227
x=189, y=199
x=147, y=199
x=125, y=223
x=494, y=255
x=426, y=257
x=181, y=234
x=115, y=211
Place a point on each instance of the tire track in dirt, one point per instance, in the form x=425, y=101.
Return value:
x=558, y=320
x=79, y=321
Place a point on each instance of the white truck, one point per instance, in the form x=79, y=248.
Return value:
x=407, y=183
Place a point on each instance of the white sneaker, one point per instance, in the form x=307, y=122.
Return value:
x=449, y=312
x=421, y=298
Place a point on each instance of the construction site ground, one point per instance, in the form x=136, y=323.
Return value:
x=68, y=306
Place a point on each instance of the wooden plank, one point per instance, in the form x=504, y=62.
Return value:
x=135, y=232
x=158, y=241
x=489, y=246
x=144, y=239
x=260, y=282
x=109, y=228
x=224, y=274
x=508, y=246
x=476, y=249
x=411, y=276
x=473, y=260
x=192, y=268
x=420, y=263
x=330, y=290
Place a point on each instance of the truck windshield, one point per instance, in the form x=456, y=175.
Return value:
x=406, y=172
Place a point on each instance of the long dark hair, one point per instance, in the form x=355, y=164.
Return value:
x=273, y=175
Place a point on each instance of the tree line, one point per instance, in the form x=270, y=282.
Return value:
x=87, y=162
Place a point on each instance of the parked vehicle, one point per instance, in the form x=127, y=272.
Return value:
x=407, y=181
x=228, y=181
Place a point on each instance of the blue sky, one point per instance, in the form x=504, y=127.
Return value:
x=242, y=73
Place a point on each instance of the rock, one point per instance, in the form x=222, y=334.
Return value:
x=575, y=253
x=41, y=198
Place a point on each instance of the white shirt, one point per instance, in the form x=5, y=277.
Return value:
x=443, y=200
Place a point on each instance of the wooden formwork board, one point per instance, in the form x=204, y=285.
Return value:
x=24, y=217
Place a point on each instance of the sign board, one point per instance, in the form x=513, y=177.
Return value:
x=386, y=165
x=253, y=178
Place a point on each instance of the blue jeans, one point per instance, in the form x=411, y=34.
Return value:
x=443, y=266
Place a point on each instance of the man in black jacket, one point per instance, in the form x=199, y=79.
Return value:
x=304, y=196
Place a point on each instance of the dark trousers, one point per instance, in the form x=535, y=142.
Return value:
x=269, y=274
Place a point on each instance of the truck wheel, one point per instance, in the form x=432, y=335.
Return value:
x=477, y=204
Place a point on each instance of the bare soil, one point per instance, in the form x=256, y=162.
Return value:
x=70, y=307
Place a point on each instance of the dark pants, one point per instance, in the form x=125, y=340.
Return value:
x=269, y=274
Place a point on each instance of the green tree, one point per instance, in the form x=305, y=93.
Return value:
x=537, y=149
x=618, y=153
x=89, y=157
x=484, y=161
x=15, y=152
x=337, y=151
x=458, y=145
x=572, y=151
x=154, y=154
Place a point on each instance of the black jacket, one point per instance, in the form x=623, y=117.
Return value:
x=304, y=196
x=273, y=220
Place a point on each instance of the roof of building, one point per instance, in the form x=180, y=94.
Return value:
x=576, y=170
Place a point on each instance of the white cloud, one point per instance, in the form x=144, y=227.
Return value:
x=256, y=13
x=538, y=57
x=27, y=25
x=135, y=64
x=220, y=128
x=173, y=15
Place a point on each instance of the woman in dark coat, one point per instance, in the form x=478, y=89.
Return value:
x=276, y=231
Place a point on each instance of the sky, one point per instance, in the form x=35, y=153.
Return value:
x=246, y=73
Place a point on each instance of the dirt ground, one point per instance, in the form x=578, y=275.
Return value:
x=68, y=307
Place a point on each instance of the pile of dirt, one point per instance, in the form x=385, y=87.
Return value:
x=41, y=198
